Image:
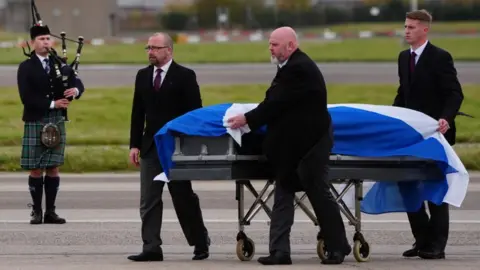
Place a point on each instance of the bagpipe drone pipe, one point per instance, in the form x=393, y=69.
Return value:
x=63, y=70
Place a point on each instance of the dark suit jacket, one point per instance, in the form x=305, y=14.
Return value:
x=178, y=94
x=295, y=112
x=80, y=86
x=433, y=88
x=38, y=89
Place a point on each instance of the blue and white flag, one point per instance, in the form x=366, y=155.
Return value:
x=359, y=130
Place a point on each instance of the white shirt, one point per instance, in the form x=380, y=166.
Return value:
x=283, y=64
x=44, y=65
x=164, y=71
x=418, y=51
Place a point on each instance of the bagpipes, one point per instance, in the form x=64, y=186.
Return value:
x=50, y=134
x=62, y=69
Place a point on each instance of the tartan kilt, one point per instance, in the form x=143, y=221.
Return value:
x=34, y=154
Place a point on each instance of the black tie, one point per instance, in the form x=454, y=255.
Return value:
x=412, y=62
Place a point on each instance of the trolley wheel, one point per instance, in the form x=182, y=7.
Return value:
x=361, y=251
x=321, y=252
x=245, y=249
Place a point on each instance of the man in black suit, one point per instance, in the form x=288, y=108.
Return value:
x=45, y=100
x=429, y=84
x=297, y=144
x=164, y=90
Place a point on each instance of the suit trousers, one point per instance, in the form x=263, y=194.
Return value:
x=185, y=202
x=313, y=176
x=430, y=233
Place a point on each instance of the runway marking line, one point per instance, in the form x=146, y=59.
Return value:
x=6, y=175
x=235, y=221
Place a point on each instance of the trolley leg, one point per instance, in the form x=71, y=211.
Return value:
x=352, y=218
x=343, y=207
x=361, y=248
x=245, y=246
x=310, y=214
x=240, y=197
x=358, y=200
x=259, y=201
x=258, y=207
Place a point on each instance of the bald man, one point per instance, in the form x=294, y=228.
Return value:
x=297, y=144
x=163, y=91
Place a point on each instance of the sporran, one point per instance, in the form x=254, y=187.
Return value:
x=50, y=135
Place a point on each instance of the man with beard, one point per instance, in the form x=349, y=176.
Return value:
x=297, y=144
x=163, y=91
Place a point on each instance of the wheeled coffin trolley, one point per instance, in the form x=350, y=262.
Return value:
x=221, y=158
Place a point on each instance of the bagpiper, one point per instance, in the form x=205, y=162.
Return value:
x=47, y=87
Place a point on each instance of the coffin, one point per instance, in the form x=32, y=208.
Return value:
x=221, y=158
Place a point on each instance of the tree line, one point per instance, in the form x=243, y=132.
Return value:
x=253, y=14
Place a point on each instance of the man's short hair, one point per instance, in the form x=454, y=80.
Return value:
x=420, y=15
x=167, y=38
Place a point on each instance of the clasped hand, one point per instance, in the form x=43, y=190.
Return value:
x=237, y=121
x=64, y=102
x=72, y=92
x=443, y=126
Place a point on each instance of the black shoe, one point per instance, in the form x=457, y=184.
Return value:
x=413, y=252
x=36, y=217
x=275, y=259
x=201, y=251
x=147, y=256
x=201, y=256
x=51, y=217
x=337, y=257
x=431, y=254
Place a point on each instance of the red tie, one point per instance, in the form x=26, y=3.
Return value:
x=156, y=82
x=412, y=62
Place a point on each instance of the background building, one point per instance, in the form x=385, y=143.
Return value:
x=89, y=18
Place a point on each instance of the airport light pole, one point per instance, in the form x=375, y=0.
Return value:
x=413, y=5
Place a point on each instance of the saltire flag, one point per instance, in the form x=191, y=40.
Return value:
x=362, y=130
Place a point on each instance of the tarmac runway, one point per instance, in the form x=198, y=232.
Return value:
x=124, y=75
x=103, y=229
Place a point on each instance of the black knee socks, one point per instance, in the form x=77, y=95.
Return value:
x=35, y=185
x=51, y=189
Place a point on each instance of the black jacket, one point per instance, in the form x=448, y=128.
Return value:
x=178, y=94
x=433, y=88
x=295, y=112
x=38, y=89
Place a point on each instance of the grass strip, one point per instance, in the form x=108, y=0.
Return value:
x=114, y=158
x=349, y=50
x=102, y=116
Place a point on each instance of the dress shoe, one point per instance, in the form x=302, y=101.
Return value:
x=276, y=259
x=200, y=256
x=51, y=217
x=431, y=254
x=337, y=257
x=201, y=250
x=147, y=256
x=413, y=252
